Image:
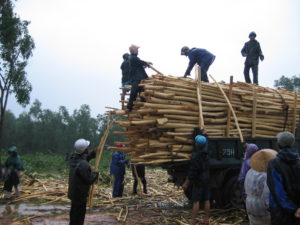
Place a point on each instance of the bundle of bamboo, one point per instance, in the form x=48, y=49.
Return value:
x=160, y=129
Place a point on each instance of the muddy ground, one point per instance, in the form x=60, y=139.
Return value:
x=44, y=202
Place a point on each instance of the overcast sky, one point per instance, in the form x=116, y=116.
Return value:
x=79, y=44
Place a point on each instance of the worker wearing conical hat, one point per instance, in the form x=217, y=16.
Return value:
x=256, y=189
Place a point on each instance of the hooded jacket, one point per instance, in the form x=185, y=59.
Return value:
x=284, y=183
x=80, y=176
x=283, y=180
x=250, y=150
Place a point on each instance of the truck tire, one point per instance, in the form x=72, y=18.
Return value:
x=232, y=194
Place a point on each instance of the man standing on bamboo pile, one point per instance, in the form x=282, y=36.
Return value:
x=252, y=52
x=117, y=169
x=137, y=74
x=200, y=56
x=81, y=178
x=138, y=173
x=283, y=179
x=198, y=177
x=125, y=74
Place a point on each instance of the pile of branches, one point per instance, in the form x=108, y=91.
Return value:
x=160, y=129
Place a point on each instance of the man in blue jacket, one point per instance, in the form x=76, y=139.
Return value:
x=200, y=56
x=117, y=169
x=283, y=179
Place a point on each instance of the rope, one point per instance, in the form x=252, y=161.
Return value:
x=285, y=108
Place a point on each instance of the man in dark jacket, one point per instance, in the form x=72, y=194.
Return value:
x=137, y=74
x=200, y=56
x=138, y=172
x=125, y=73
x=283, y=179
x=117, y=169
x=13, y=168
x=80, y=179
x=198, y=176
x=252, y=52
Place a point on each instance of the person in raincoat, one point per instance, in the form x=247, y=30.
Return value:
x=13, y=169
x=257, y=191
x=117, y=169
x=250, y=150
x=283, y=179
x=81, y=178
x=198, y=177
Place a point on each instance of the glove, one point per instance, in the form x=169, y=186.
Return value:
x=261, y=58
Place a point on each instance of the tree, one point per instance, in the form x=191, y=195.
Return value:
x=292, y=83
x=16, y=46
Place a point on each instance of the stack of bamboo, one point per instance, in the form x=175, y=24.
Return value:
x=160, y=129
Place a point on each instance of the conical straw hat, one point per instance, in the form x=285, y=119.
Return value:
x=259, y=161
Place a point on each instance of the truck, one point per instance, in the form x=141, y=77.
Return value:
x=225, y=159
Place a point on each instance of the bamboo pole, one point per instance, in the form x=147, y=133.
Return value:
x=98, y=158
x=253, y=133
x=233, y=113
x=151, y=67
x=199, y=85
x=294, y=114
x=228, y=109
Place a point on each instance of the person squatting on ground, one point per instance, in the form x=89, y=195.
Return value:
x=249, y=151
x=283, y=179
x=137, y=74
x=13, y=169
x=117, y=169
x=200, y=56
x=252, y=52
x=81, y=178
x=125, y=74
x=257, y=191
x=138, y=173
x=198, y=177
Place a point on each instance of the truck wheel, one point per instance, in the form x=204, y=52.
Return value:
x=232, y=193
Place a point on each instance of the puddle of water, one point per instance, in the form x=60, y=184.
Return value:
x=27, y=209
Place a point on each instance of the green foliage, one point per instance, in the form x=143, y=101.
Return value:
x=292, y=83
x=16, y=46
x=55, y=164
x=45, y=163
